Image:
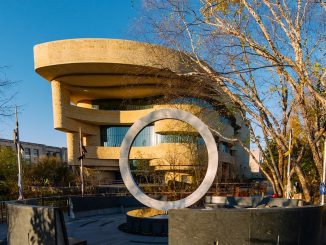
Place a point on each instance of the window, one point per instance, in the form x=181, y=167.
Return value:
x=193, y=101
x=146, y=103
x=124, y=104
x=27, y=153
x=112, y=136
x=225, y=147
x=35, y=153
x=180, y=138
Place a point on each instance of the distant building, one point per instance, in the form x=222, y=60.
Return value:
x=33, y=151
x=254, y=166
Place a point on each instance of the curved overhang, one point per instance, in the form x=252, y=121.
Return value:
x=79, y=94
x=89, y=57
x=93, y=68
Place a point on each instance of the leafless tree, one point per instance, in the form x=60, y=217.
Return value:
x=268, y=57
x=6, y=94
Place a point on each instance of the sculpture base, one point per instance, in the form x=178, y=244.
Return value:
x=146, y=221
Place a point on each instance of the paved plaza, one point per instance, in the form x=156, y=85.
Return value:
x=100, y=230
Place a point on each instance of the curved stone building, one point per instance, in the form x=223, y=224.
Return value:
x=103, y=86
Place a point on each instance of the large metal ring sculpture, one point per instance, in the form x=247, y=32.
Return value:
x=211, y=150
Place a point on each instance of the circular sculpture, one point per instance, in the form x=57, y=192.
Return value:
x=211, y=150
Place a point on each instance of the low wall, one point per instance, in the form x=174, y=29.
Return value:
x=92, y=205
x=35, y=225
x=300, y=225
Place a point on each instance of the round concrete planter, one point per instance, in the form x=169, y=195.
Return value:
x=147, y=221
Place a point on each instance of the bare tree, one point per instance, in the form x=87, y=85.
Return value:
x=268, y=57
x=6, y=95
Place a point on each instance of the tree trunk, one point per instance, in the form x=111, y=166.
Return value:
x=303, y=183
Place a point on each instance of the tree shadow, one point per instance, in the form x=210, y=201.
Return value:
x=35, y=225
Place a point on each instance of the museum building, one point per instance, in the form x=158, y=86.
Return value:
x=102, y=86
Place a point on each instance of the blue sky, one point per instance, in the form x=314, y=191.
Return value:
x=25, y=23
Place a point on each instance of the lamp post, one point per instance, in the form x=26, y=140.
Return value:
x=19, y=149
x=82, y=151
x=322, y=187
x=288, y=186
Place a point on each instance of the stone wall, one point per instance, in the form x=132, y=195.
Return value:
x=301, y=225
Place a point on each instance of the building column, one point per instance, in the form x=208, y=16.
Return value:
x=60, y=100
x=73, y=148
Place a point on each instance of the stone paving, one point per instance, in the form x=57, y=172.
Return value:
x=101, y=230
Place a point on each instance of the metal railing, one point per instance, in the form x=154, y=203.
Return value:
x=117, y=188
x=61, y=202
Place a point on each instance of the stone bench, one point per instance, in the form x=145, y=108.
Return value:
x=30, y=224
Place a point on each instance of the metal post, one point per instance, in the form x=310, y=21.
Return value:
x=324, y=172
x=20, y=182
x=81, y=161
x=288, y=186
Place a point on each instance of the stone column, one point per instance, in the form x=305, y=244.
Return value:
x=73, y=148
x=60, y=100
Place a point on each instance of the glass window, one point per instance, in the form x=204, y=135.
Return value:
x=27, y=152
x=225, y=147
x=35, y=153
x=112, y=136
x=180, y=138
x=122, y=105
x=145, y=103
x=192, y=101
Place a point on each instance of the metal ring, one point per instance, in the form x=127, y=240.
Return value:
x=211, y=150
